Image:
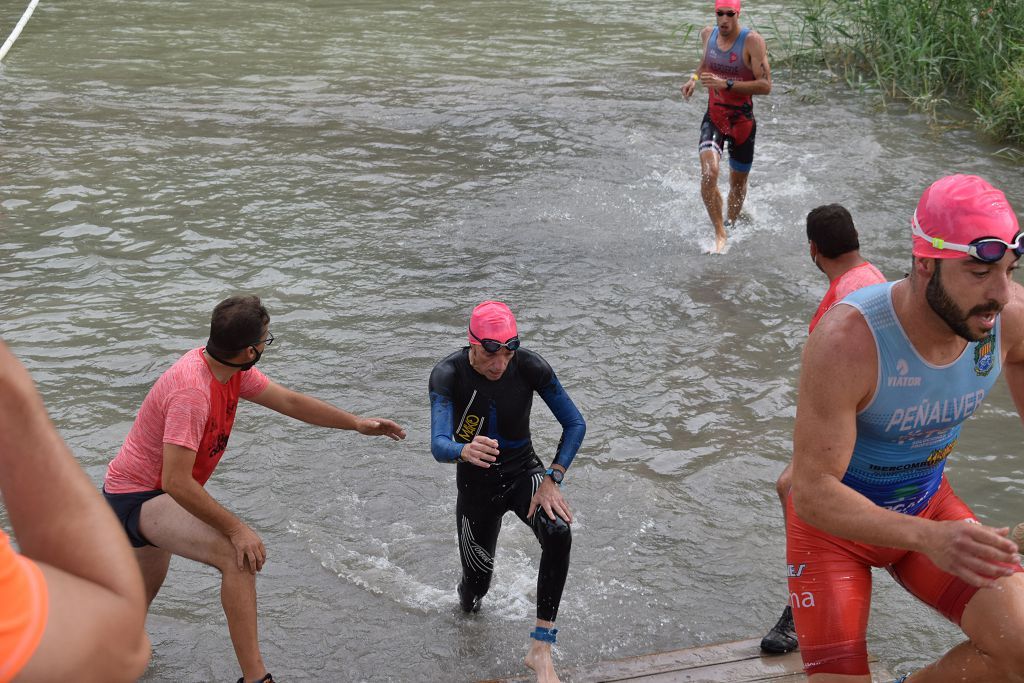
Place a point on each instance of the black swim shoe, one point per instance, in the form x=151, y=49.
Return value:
x=782, y=638
x=266, y=679
x=469, y=603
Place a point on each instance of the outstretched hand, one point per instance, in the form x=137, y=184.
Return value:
x=976, y=553
x=549, y=498
x=378, y=426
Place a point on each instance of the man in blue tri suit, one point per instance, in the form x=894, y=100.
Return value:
x=480, y=400
x=888, y=378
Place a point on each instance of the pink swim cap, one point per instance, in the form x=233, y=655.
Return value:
x=961, y=209
x=492, y=320
x=727, y=4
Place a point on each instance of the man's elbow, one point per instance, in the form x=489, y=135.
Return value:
x=121, y=649
x=803, y=502
x=135, y=659
x=128, y=661
x=174, y=484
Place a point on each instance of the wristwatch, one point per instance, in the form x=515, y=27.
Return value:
x=728, y=84
x=556, y=475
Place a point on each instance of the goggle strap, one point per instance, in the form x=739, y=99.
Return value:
x=940, y=244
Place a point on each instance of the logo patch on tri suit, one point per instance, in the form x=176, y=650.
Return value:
x=984, y=355
x=468, y=428
x=471, y=424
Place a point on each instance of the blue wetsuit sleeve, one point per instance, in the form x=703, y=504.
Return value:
x=442, y=446
x=573, y=425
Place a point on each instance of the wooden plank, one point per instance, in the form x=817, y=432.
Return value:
x=738, y=662
x=681, y=660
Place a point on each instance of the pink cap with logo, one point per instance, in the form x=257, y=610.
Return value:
x=960, y=209
x=492, y=320
x=727, y=4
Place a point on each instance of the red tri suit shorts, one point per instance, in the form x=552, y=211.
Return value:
x=830, y=586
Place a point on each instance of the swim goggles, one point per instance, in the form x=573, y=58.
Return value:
x=492, y=345
x=985, y=249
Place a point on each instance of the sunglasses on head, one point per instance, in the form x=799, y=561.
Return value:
x=492, y=345
x=984, y=249
x=725, y=13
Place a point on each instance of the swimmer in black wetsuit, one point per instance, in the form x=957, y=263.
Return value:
x=480, y=399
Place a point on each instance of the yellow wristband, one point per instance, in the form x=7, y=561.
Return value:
x=695, y=77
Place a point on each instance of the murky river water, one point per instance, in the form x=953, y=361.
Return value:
x=374, y=169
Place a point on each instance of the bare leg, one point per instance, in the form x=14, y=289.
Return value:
x=539, y=657
x=177, y=531
x=737, y=193
x=153, y=562
x=711, y=196
x=994, y=623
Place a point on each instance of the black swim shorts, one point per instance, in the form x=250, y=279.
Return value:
x=127, y=507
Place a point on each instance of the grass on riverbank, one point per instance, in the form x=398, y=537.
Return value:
x=931, y=52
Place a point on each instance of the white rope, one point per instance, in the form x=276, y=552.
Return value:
x=17, y=29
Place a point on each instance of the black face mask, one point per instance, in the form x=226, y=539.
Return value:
x=242, y=366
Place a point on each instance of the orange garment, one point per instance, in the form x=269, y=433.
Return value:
x=24, y=603
x=830, y=586
x=859, y=276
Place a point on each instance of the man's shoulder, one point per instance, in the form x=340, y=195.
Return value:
x=533, y=367
x=452, y=359
x=528, y=357
x=188, y=373
x=753, y=38
x=843, y=331
x=446, y=369
x=840, y=357
x=860, y=276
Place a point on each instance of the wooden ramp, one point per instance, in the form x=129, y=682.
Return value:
x=723, y=663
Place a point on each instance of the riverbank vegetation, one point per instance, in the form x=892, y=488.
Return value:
x=968, y=53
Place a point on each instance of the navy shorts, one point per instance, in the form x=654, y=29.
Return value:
x=127, y=507
x=741, y=157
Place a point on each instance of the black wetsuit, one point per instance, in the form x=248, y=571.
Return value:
x=464, y=403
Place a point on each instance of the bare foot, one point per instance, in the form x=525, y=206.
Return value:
x=539, y=659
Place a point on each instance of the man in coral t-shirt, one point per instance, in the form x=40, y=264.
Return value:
x=155, y=483
x=835, y=250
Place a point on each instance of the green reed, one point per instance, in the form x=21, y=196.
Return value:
x=969, y=53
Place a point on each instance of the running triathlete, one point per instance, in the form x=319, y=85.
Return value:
x=889, y=376
x=480, y=399
x=733, y=69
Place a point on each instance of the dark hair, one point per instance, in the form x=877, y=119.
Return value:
x=237, y=322
x=831, y=229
